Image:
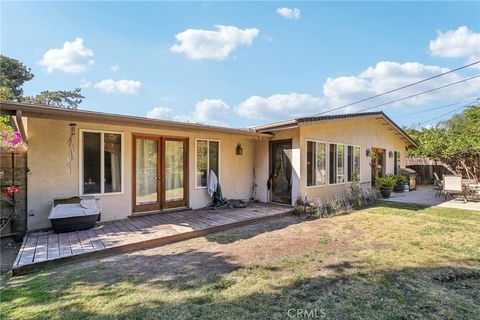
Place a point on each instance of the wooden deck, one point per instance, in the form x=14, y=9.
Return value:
x=43, y=249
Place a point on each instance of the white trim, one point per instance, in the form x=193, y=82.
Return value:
x=219, y=174
x=315, y=164
x=102, y=162
x=344, y=162
x=360, y=161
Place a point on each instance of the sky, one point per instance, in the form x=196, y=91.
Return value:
x=241, y=64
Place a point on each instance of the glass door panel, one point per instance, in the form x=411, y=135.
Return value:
x=146, y=174
x=281, y=167
x=175, y=172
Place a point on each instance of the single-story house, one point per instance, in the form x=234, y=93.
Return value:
x=137, y=165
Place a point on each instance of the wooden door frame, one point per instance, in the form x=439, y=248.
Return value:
x=161, y=203
x=147, y=207
x=270, y=167
x=185, y=201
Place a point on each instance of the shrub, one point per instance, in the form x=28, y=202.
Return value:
x=387, y=182
x=338, y=204
x=401, y=180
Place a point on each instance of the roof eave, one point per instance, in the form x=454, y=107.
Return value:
x=48, y=112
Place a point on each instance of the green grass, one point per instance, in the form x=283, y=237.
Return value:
x=377, y=263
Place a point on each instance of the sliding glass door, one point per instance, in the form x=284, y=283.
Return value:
x=159, y=173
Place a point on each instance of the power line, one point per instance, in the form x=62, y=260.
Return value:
x=464, y=106
x=397, y=89
x=434, y=108
x=420, y=93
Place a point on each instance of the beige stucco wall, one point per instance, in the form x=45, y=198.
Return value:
x=49, y=178
x=366, y=133
x=363, y=132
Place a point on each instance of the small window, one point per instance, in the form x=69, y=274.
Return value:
x=316, y=163
x=353, y=162
x=101, y=162
x=208, y=158
x=336, y=163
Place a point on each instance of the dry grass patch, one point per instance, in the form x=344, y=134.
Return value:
x=387, y=262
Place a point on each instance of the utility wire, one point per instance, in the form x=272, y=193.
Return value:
x=464, y=106
x=434, y=108
x=420, y=93
x=400, y=88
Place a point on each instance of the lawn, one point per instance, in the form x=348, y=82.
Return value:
x=388, y=262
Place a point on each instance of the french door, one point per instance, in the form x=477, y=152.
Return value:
x=160, y=176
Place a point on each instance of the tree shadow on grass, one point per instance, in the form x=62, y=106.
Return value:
x=209, y=285
x=250, y=231
x=399, y=294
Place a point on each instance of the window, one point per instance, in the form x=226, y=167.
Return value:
x=101, y=162
x=396, y=162
x=336, y=163
x=316, y=163
x=353, y=162
x=208, y=158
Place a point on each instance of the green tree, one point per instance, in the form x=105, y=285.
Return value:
x=13, y=75
x=455, y=142
x=63, y=99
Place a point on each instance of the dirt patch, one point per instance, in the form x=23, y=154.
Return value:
x=266, y=243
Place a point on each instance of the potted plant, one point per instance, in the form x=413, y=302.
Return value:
x=400, y=184
x=386, y=184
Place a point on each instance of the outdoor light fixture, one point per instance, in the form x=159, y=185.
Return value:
x=390, y=154
x=368, y=152
x=239, y=150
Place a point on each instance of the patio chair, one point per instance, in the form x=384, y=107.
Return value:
x=452, y=186
x=438, y=185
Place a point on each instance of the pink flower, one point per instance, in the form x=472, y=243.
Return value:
x=13, y=189
x=17, y=139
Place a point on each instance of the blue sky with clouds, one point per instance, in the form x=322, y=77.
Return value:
x=240, y=64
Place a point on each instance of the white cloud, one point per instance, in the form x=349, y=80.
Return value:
x=460, y=43
x=119, y=86
x=290, y=14
x=85, y=84
x=74, y=57
x=216, y=45
x=208, y=111
x=281, y=106
x=160, y=113
x=386, y=75
x=115, y=67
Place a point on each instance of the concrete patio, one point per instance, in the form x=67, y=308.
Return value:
x=425, y=195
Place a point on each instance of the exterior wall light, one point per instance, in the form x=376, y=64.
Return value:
x=368, y=152
x=390, y=154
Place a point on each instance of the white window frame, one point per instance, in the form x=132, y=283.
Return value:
x=344, y=163
x=315, y=164
x=360, y=161
x=102, y=164
x=219, y=174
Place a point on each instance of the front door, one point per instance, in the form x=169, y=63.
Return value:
x=159, y=173
x=281, y=171
x=378, y=163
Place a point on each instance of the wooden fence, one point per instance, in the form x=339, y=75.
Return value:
x=16, y=165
